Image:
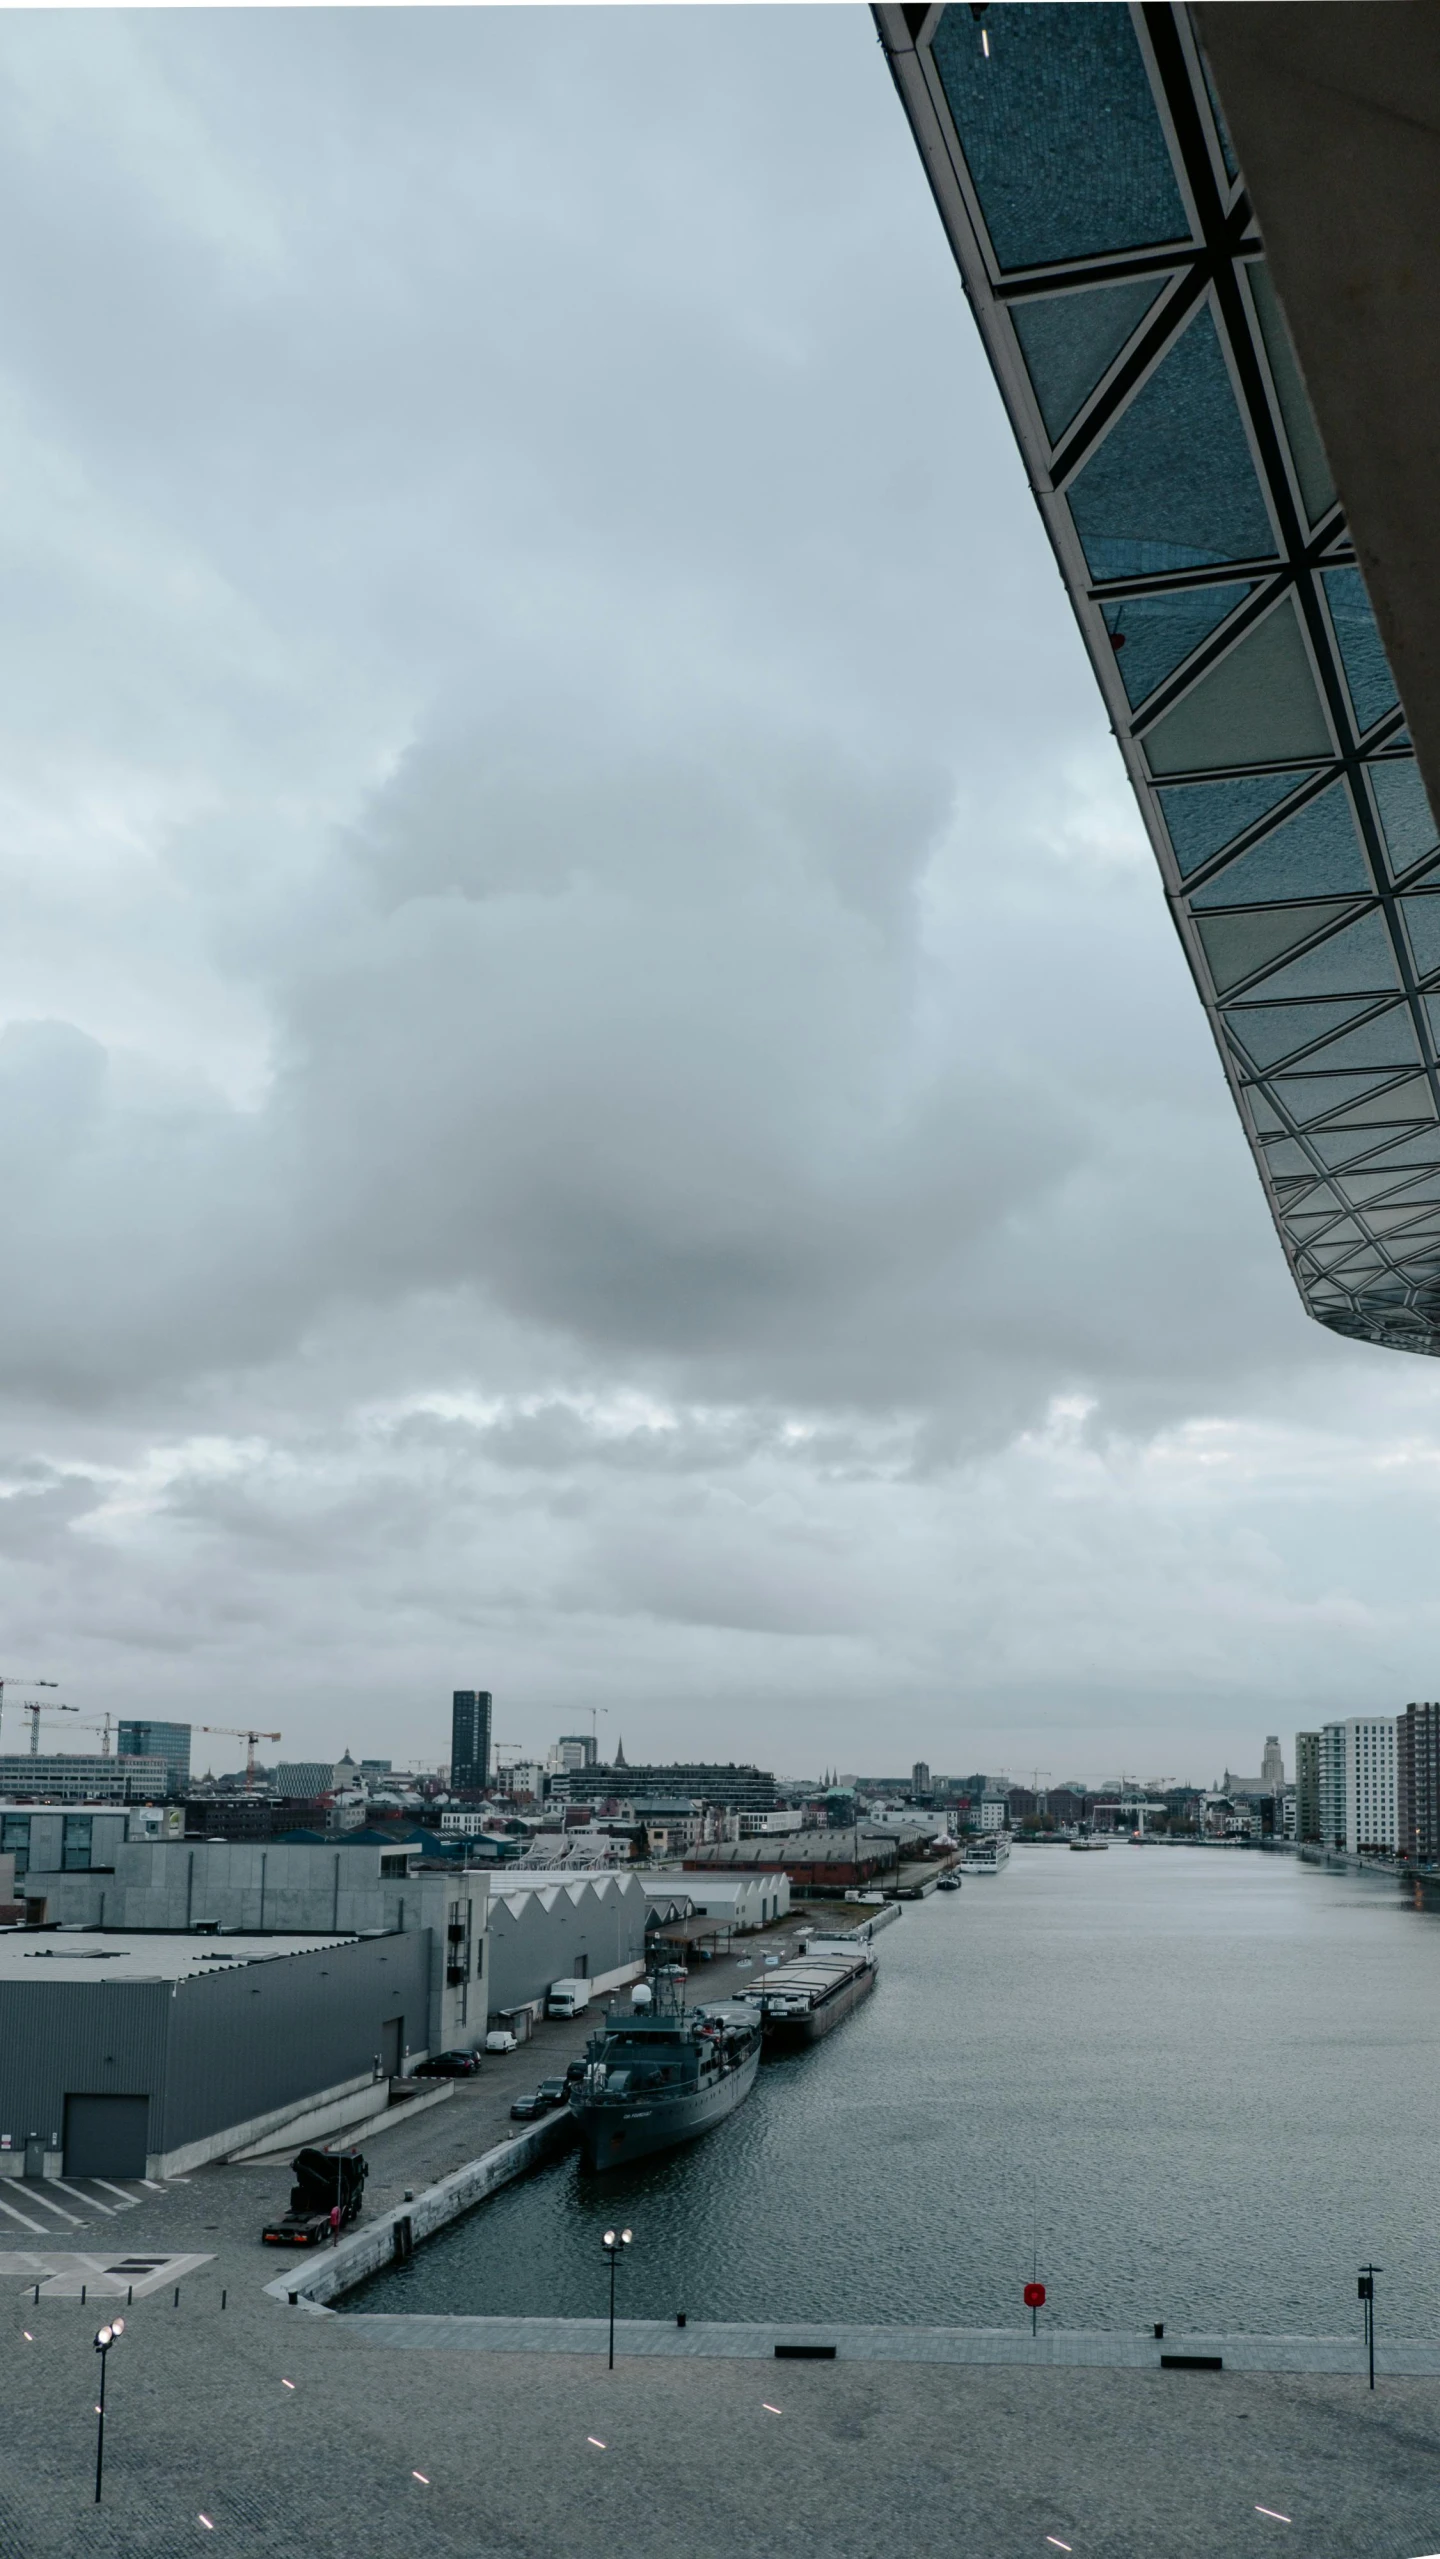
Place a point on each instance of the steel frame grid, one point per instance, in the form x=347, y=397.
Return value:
x=1393, y=1295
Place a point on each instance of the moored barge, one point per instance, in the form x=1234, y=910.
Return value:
x=808, y=1996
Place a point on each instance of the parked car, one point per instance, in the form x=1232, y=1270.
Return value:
x=500, y=2040
x=447, y=2066
x=552, y=2092
x=672, y=1972
x=525, y=2109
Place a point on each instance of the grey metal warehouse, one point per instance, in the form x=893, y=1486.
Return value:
x=142, y=2056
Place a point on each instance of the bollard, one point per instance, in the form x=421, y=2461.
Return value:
x=82, y=2296
x=176, y=2302
x=679, y=2318
x=223, y=2298
x=1159, y=2327
x=37, y=2294
x=129, y=2296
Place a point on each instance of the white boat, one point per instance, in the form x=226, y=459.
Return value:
x=987, y=1854
x=1084, y=1846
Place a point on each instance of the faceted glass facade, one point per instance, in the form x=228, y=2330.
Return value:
x=1091, y=195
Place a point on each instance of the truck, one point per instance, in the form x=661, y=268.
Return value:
x=567, y=1999
x=325, y=2180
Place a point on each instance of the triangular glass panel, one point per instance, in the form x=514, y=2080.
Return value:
x=1344, y=1231
x=1371, y=1185
x=1152, y=635
x=1312, y=470
x=1421, y=910
x=1409, y=829
x=1306, y=1221
x=1285, y=1155
x=1362, y=654
x=1314, y=1097
x=1203, y=817
x=1173, y=485
x=1315, y=853
x=1237, y=945
x=1269, y=1032
x=1362, y=955
x=1423, y=1149
x=1057, y=120
x=1337, y=1147
x=1258, y=706
x=1409, y=1101
x=1432, y=1012
x=1069, y=340
x=1262, y=1110
x=1383, y=1220
x=1387, y=1041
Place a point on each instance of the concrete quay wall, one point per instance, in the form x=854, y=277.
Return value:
x=313, y=2282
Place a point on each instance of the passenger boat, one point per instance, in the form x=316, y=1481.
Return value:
x=663, y=2074
x=1088, y=1843
x=810, y=1995
x=987, y=1854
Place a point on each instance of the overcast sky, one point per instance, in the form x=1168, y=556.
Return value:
x=596, y=1094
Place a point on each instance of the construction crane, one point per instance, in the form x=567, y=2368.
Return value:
x=33, y=1708
x=22, y=1683
x=239, y=1733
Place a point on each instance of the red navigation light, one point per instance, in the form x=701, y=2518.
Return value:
x=1034, y=2296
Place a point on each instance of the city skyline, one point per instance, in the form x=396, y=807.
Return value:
x=637, y=1118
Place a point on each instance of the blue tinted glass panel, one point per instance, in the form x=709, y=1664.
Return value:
x=1312, y=470
x=1238, y=944
x=1273, y=1031
x=1153, y=634
x=1367, y=669
x=1173, y=486
x=1059, y=128
x=1069, y=339
x=1315, y=852
x=1258, y=706
x=1422, y=925
x=1205, y=816
x=1363, y=955
x=1410, y=830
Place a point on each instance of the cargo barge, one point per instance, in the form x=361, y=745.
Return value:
x=807, y=1997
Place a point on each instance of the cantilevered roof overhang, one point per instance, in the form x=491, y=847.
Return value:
x=1090, y=191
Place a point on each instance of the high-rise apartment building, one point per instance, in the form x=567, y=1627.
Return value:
x=1330, y=1785
x=140, y=1739
x=920, y=1778
x=1307, y=1786
x=1370, y=1800
x=470, y=1741
x=1272, y=1766
x=1417, y=1783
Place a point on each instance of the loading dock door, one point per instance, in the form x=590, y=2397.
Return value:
x=392, y=2046
x=105, y=2136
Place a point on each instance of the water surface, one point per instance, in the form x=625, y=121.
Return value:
x=1194, y=2086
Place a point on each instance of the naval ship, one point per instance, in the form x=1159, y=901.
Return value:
x=663, y=2074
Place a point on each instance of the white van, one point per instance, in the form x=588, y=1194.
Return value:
x=568, y=1999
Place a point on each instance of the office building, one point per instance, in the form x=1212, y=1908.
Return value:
x=80, y=1777
x=1307, y=1786
x=1272, y=1765
x=741, y=1788
x=305, y=1781
x=1087, y=182
x=920, y=1778
x=1417, y=1784
x=140, y=1739
x=470, y=1741
x=574, y=1750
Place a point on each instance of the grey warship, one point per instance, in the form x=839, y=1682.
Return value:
x=662, y=2075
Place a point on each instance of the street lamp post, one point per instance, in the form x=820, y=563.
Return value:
x=104, y=2339
x=613, y=2242
x=1366, y=2290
